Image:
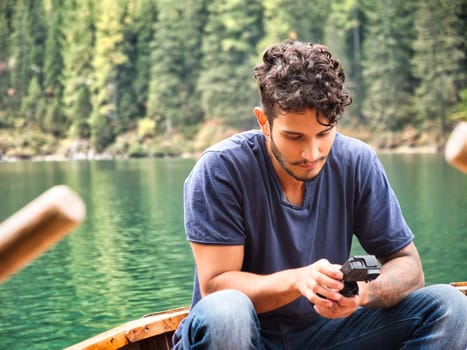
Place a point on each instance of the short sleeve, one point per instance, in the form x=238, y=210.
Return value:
x=212, y=202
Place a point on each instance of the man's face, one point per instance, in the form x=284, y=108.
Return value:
x=299, y=145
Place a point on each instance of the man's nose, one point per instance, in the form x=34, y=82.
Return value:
x=310, y=151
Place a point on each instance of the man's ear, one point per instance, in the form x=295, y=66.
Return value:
x=262, y=120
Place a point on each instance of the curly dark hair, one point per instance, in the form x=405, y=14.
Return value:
x=296, y=75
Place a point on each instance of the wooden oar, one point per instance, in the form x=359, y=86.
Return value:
x=37, y=226
x=456, y=147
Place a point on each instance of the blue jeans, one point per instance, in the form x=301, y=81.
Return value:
x=434, y=317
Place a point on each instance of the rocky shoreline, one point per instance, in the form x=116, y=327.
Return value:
x=408, y=141
x=91, y=155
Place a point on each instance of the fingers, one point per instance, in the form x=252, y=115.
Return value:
x=342, y=308
x=320, y=283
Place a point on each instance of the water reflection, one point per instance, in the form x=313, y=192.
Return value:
x=127, y=259
x=433, y=197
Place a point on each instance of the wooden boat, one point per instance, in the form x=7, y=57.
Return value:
x=153, y=331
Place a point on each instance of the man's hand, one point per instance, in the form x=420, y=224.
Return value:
x=320, y=283
x=338, y=309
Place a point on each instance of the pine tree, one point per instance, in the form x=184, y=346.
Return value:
x=175, y=64
x=439, y=59
x=53, y=67
x=81, y=111
x=20, y=46
x=107, y=57
x=27, y=42
x=6, y=12
x=133, y=74
x=53, y=61
x=196, y=17
x=343, y=35
x=30, y=103
x=77, y=52
x=144, y=19
x=463, y=43
x=387, y=70
x=286, y=19
x=55, y=121
x=37, y=30
x=125, y=73
x=232, y=32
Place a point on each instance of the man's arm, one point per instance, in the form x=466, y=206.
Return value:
x=401, y=273
x=219, y=267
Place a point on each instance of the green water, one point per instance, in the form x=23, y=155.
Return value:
x=130, y=256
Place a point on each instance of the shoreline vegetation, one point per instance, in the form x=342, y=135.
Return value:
x=151, y=78
x=36, y=146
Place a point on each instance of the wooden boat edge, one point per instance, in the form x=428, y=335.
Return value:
x=461, y=286
x=135, y=331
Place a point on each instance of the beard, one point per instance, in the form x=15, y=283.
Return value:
x=286, y=165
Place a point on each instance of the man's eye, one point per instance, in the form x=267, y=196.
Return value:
x=294, y=137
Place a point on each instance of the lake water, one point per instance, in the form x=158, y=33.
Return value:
x=130, y=256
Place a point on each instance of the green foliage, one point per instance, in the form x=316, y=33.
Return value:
x=21, y=45
x=231, y=35
x=55, y=121
x=144, y=19
x=53, y=61
x=387, y=70
x=108, y=56
x=81, y=111
x=175, y=64
x=146, y=128
x=77, y=60
x=6, y=12
x=460, y=113
x=166, y=72
x=30, y=103
x=295, y=19
x=37, y=30
x=343, y=35
x=438, y=60
x=26, y=143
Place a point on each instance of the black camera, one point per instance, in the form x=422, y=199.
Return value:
x=358, y=268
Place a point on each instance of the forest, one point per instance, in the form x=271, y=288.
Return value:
x=84, y=78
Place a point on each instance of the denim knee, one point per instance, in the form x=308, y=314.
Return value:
x=226, y=306
x=220, y=317
x=447, y=297
x=447, y=314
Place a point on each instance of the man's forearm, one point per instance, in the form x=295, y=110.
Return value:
x=400, y=275
x=267, y=292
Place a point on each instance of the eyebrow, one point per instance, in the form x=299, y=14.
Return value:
x=296, y=133
x=288, y=132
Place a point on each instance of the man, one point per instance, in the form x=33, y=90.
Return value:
x=270, y=217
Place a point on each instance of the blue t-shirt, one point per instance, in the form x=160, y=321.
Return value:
x=233, y=197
